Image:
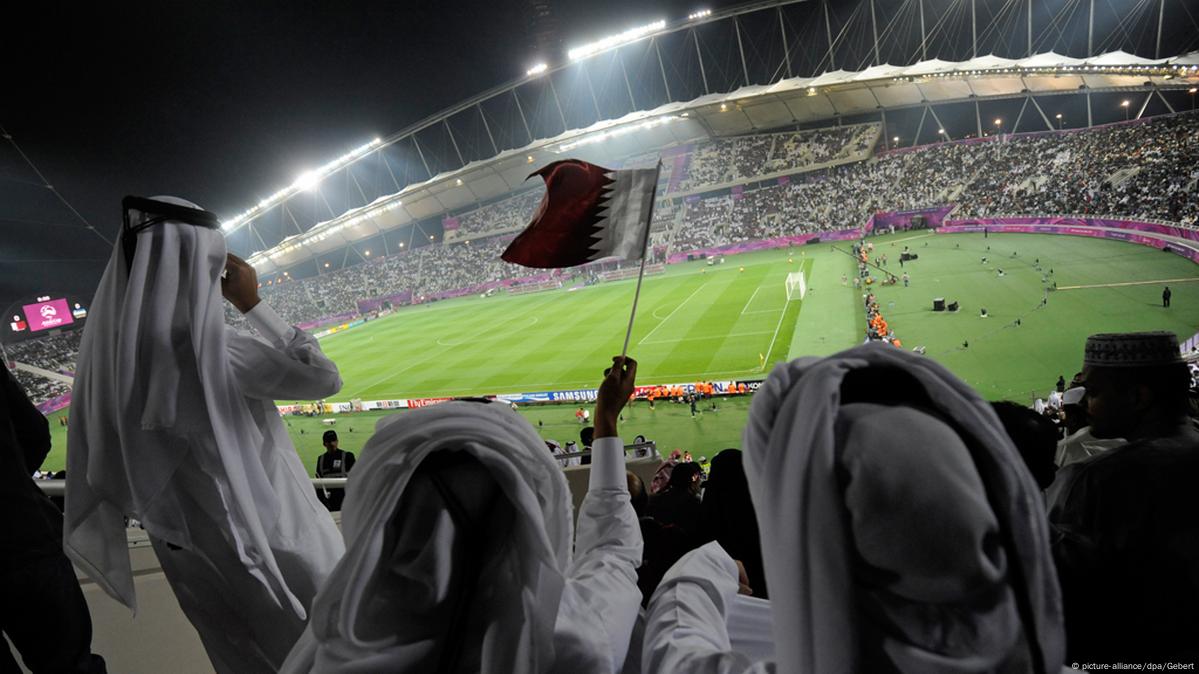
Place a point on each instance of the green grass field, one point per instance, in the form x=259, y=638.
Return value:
x=699, y=321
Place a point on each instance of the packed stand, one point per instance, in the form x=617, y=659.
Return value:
x=41, y=389
x=1146, y=170
x=508, y=215
x=55, y=353
x=742, y=159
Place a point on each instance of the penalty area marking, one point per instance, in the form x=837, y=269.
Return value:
x=708, y=337
x=750, y=300
x=1191, y=279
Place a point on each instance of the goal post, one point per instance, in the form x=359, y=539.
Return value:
x=796, y=287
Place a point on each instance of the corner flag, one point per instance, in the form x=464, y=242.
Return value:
x=588, y=213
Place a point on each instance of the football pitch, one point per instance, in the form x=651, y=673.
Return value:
x=700, y=321
x=719, y=321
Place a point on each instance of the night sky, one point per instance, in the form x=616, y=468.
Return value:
x=219, y=102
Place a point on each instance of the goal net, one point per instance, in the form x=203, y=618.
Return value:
x=796, y=288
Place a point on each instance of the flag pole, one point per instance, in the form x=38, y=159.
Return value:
x=644, y=250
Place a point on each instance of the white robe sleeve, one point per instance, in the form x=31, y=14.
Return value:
x=286, y=363
x=686, y=631
x=600, y=601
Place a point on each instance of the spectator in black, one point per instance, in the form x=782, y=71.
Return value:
x=335, y=462
x=42, y=610
x=638, y=496
x=1061, y=384
x=679, y=503
x=728, y=517
x=587, y=436
x=1034, y=435
x=1125, y=523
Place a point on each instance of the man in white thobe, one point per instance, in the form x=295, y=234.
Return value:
x=905, y=533
x=174, y=424
x=1080, y=444
x=458, y=531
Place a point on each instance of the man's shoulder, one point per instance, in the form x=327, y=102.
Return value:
x=1152, y=455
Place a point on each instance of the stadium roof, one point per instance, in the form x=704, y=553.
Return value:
x=786, y=103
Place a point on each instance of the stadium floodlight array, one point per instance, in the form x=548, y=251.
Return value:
x=304, y=182
x=324, y=230
x=536, y=70
x=701, y=14
x=602, y=136
x=613, y=41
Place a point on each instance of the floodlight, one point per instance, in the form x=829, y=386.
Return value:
x=998, y=121
x=401, y=244
x=459, y=182
x=536, y=70
x=724, y=108
x=368, y=253
x=1124, y=104
x=430, y=237
x=941, y=131
x=895, y=139
x=307, y=181
x=613, y=41
x=703, y=13
x=1192, y=90
x=1059, y=115
x=613, y=133
x=326, y=265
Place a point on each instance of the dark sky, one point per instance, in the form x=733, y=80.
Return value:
x=221, y=101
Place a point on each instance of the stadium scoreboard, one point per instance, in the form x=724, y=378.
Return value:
x=46, y=313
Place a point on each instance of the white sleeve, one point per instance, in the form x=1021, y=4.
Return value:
x=290, y=366
x=600, y=601
x=686, y=630
x=267, y=322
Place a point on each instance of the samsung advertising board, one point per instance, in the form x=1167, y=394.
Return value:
x=47, y=314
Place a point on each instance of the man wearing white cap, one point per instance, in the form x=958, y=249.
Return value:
x=174, y=424
x=1080, y=443
x=905, y=533
x=1126, y=522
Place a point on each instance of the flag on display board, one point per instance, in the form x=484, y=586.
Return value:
x=588, y=213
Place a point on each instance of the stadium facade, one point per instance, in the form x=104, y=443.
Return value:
x=925, y=70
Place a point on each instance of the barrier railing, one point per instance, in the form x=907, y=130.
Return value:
x=640, y=450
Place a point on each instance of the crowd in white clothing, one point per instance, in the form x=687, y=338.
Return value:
x=744, y=158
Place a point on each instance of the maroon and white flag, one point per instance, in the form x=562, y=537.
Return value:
x=588, y=213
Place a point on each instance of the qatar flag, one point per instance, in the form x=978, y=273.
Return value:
x=588, y=213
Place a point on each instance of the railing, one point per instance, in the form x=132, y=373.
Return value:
x=640, y=450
